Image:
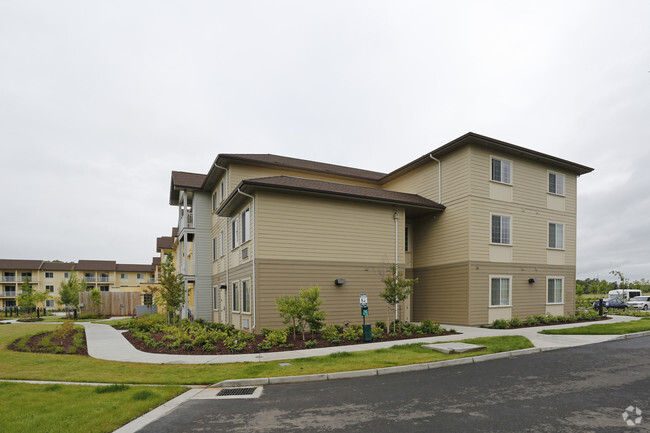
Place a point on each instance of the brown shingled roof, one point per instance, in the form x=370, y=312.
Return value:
x=57, y=266
x=155, y=261
x=333, y=189
x=164, y=242
x=184, y=180
x=22, y=265
x=95, y=265
x=124, y=267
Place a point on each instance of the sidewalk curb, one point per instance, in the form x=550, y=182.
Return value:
x=231, y=383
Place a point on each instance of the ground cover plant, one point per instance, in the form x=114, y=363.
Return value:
x=546, y=319
x=604, y=328
x=65, y=338
x=151, y=334
x=76, y=408
x=78, y=368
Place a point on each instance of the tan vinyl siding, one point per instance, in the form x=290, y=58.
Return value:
x=527, y=299
x=441, y=294
x=295, y=227
x=277, y=278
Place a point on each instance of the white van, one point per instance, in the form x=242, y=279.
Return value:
x=627, y=294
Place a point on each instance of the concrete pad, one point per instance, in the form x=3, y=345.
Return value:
x=454, y=347
x=298, y=379
x=350, y=374
x=232, y=383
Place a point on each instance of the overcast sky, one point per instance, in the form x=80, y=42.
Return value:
x=99, y=101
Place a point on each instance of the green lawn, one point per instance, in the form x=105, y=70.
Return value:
x=76, y=408
x=604, y=329
x=76, y=368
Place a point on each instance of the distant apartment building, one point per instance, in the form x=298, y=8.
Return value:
x=103, y=275
x=487, y=227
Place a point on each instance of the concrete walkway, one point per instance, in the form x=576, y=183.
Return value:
x=105, y=342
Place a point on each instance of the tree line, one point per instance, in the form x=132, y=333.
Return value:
x=597, y=286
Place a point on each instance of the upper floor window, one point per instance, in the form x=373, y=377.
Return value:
x=556, y=235
x=407, y=238
x=501, y=230
x=235, y=297
x=214, y=201
x=49, y=275
x=66, y=275
x=221, y=241
x=140, y=276
x=49, y=289
x=245, y=226
x=246, y=296
x=235, y=233
x=222, y=192
x=501, y=170
x=214, y=248
x=555, y=289
x=124, y=276
x=556, y=183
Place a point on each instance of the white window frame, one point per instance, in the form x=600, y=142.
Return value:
x=492, y=215
x=214, y=200
x=221, y=241
x=66, y=275
x=49, y=275
x=222, y=192
x=214, y=248
x=124, y=276
x=139, y=276
x=247, y=288
x=215, y=298
x=501, y=277
x=104, y=288
x=245, y=225
x=502, y=172
x=555, y=302
x=562, y=183
x=234, y=238
x=49, y=303
x=49, y=288
x=235, y=304
x=408, y=242
x=555, y=238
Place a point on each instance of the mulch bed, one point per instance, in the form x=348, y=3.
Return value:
x=67, y=343
x=298, y=344
x=600, y=319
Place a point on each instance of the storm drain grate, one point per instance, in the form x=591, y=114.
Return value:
x=236, y=391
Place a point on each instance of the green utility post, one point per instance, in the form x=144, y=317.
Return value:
x=367, y=329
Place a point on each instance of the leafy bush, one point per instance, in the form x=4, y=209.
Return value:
x=189, y=347
x=429, y=327
x=332, y=334
x=500, y=324
x=531, y=321
x=377, y=333
x=208, y=347
x=353, y=333
x=380, y=325
x=266, y=331
x=276, y=337
x=310, y=343
x=515, y=322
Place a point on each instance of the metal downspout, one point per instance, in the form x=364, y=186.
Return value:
x=439, y=177
x=396, y=218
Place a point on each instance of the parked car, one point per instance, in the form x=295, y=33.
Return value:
x=616, y=302
x=640, y=302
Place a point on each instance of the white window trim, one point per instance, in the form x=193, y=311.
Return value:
x=548, y=232
x=234, y=226
x=511, y=230
x=493, y=157
x=250, y=292
x=221, y=244
x=214, y=249
x=47, y=290
x=241, y=226
x=554, y=278
x=215, y=298
x=409, y=239
x=124, y=276
x=49, y=303
x=508, y=277
x=548, y=183
x=222, y=191
x=51, y=277
x=235, y=291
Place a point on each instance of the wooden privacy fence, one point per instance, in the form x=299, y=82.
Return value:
x=113, y=303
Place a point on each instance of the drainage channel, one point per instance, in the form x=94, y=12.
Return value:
x=229, y=393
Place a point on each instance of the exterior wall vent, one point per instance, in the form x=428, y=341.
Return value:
x=244, y=253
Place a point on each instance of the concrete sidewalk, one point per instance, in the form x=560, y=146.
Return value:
x=105, y=342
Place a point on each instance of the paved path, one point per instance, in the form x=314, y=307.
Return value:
x=105, y=342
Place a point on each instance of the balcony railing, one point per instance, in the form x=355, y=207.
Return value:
x=10, y=293
x=186, y=220
x=103, y=279
x=10, y=279
x=90, y=279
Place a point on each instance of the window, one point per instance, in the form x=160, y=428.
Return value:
x=407, y=238
x=66, y=275
x=235, y=233
x=556, y=235
x=501, y=171
x=555, y=286
x=235, y=297
x=124, y=276
x=246, y=296
x=214, y=201
x=556, y=183
x=215, y=297
x=49, y=289
x=103, y=278
x=221, y=240
x=501, y=229
x=103, y=288
x=499, y=291
x=49, y=275
x=214, y=248
x=147, y=299
x=222, y=192
x=49, y=303
x=140, y=277
x=245, y=226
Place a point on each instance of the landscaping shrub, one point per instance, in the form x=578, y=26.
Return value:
x=276, y=337
x=515, y=322
x=500, y=324
x=311, y=343
x=332, y=334
x=353, y=333
x=429, y=327
x=378, y=333
x=380, y=325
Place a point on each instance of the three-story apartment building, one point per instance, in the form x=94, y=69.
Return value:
x=487, y=227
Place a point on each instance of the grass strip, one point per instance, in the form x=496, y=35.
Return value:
x=604, y=329
x=77, y=408
x=77, y=368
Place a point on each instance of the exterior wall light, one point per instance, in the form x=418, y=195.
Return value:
x=339, y=281
x=532, y=280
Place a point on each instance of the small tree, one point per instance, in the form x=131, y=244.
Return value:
x=69, y=291
x=29, y=297
x=301, y=310
x=396, y=289
x=171, y=289
x=96, y=299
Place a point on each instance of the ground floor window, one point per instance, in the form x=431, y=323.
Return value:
x=49, y=303
x=147, y=299
x=246, y=296
x=10, y=303
x=103, y=288
x=500, y=291
x=555, y=286
x=235, y=296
